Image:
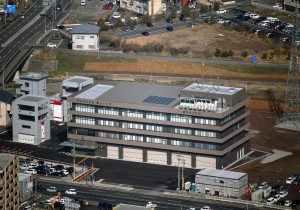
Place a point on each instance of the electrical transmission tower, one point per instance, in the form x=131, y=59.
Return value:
x=291, y=116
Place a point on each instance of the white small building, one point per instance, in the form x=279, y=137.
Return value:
x=85, y=37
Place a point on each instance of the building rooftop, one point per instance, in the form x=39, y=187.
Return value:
x=86, y=29
x=4, y=159
x=32, y=98
x=221, y=173
x=23, y=176
x=34, y=75
x=76, y=80
x=204, y=88
x=6, y=96
x=134, y=93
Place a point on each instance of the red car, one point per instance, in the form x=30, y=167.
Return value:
x=107, y=7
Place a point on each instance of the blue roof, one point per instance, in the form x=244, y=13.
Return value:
x=86, y=29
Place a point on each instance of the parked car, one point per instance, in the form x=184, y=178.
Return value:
x=65, y=199
x=182, y=18
x=82, y=2
x=283, y=193
x=70, y=170
x=65, y=172
x=116, y=15
x=71, y=192
x=270, y=201
x=52, y=189
x=107, y=7
x=169, y=28
x=145, y=33
x=133, y=28
x=192, y=24
x=295, y=203
x=24, y=166
x=57, y=173
x=288, y=203
x=125, y=29
x=169, y=20
x=205, y=208
x=221, y=11
x=280, y=202
x=59, y=167
x=151, y=205
x=149, y=24
x=263, y=184
x=290, y=180
x=277, y=197
x=30, y=171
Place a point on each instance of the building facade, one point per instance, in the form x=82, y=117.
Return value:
x=32, y=83
x=25, y=186
x=9, y=185
x=221, y=182
x=31, y=119
x=142, y=6
x=59, y=104
x=203, y=125
x=85, y=37
x=6, y=99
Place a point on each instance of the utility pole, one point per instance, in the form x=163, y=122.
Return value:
x=74, y=169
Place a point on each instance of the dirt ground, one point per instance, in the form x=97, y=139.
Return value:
x=266, y=137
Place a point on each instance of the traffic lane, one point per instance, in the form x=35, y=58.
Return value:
x=135, y=197
x=156, y=29
x=13, y=28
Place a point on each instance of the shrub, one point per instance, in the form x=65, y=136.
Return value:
x=264, y=55
x=173, y=51
x=244, y=54
x=203, y=8
x=217, y=52
x=186, y=11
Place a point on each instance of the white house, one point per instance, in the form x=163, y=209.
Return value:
x=85, y=37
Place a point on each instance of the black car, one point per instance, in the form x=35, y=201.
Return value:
x=149, y=24
x=125, y=29
x=295, y=203
x=133, y=28
x=110, y=4
x=182, y=18
x=58, y=174
x=280, y=202
x=170, y=28
x=145, y=33
x=169, y=20
x=59, y=167
x=40, y=162
x=70, y=170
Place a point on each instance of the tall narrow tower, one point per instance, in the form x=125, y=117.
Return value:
x=291, y=116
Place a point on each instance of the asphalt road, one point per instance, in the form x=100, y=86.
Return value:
x=156, y=29
x=94, y=194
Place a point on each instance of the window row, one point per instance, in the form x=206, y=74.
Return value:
x=129, y=137
x=205, y=121
x=156, y=140
x=132, y=113
x=84, y=108
x=210, y=134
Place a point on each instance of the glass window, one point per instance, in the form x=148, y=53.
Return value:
x=111, y=123
x=156, y=140
x=156, y=116
x=129, y=137
x=84, y=108
x=130, y=125
x=108, y=110
x=156, y=128
x=183, y=131
x=132, y=113
x=205, y=121
x=85, y=120
x=181, y=118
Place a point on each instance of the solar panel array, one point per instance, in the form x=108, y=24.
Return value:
x=158, y=100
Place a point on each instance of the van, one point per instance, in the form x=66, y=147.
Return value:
x=82, y=2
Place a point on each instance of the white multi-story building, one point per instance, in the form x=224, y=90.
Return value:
x=85, y=37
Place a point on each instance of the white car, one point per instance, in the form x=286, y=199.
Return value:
x=24, y=166
x=277, y=197
x=82, y=2
x=288, y=203
x=221, y=11
x=116, y=15
x=290, y=180
x=283, y=193
x=52, y=45
x=65, y=172
x=270, y=201
x=65, y=199
x=32, y=165
x=151, y=205
x=254, y=16
x=263, y=184
x=206, y=208
x=220, y=21
x=71, y=192
x=30, y=171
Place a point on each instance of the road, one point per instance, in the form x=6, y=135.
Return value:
x=165, y=201
x=156, y=29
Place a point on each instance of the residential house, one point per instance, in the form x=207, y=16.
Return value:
x=85, y=37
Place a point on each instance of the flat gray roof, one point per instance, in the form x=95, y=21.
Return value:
x=32, y=98
x=4, y=159
x=34, y=75
x=137, y=93
x=23, y=176
x=94, y=92
x=86, y=29
x=221, y=173
x=76, y=79
x=204, y=88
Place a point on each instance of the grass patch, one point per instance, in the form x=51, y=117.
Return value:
x=252, y=69
x=69, y=62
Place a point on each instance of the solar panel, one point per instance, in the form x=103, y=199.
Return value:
x=158, y=100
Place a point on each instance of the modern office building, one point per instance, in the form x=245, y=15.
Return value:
x=59, y=104
x=221, y=182
x=31, y=119
x=32, y=83
x=203, y=125
x=9, y=183
x=25, y=186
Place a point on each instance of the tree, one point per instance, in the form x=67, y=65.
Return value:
x=186, y=11
x=193, y=15
x=264, y=55
x=244, y=54
x=216, y=6
x=218, y=52
x=173, y=12
x=203, y=8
